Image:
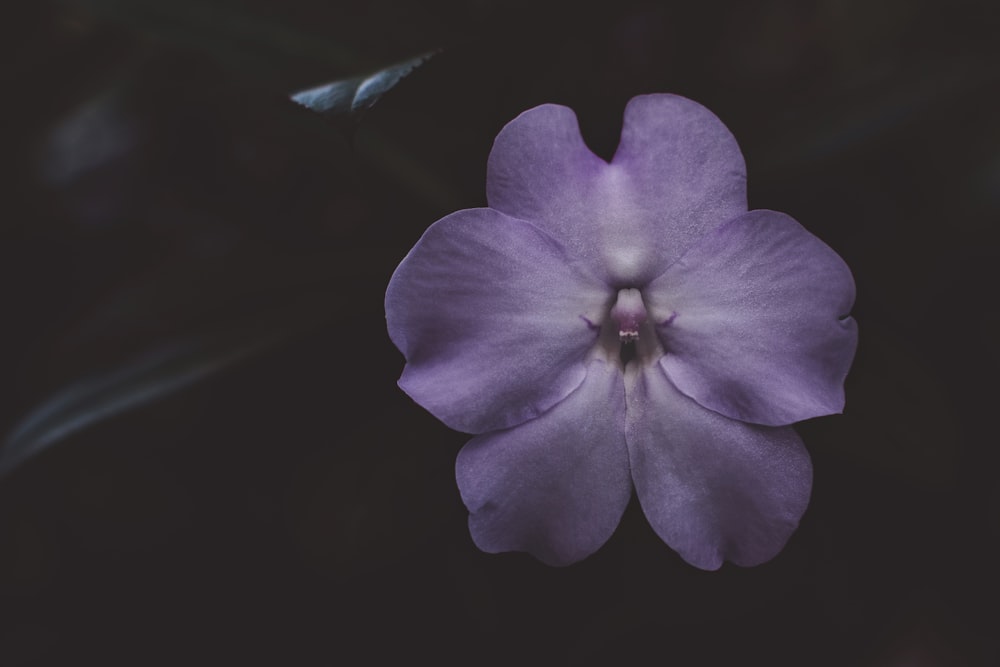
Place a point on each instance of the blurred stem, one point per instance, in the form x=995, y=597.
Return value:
x=380, y=151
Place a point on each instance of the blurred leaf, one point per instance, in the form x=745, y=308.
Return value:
x=355, y=95
x=344, y=101
x=183, y=326
x=195, y=241
x=135, y=383
x=230, y=32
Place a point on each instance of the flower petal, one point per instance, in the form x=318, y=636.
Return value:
x=555, y=486
x=492, y=319
x=677, y=174
x=754, y=321
x=713, y=488
x=540, y=170
x=686, y=172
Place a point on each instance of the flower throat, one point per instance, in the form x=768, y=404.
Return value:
x=628, y=314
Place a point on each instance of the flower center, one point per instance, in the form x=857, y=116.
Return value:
x=627, y=334
x=628, y=313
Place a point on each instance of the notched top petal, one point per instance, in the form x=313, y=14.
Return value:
x=677, y=174
x=685, y=170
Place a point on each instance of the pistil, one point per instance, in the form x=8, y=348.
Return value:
x=629, y=313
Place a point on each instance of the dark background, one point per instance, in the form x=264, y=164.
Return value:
x=170, y=218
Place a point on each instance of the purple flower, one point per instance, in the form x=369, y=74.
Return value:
x=610, y=326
